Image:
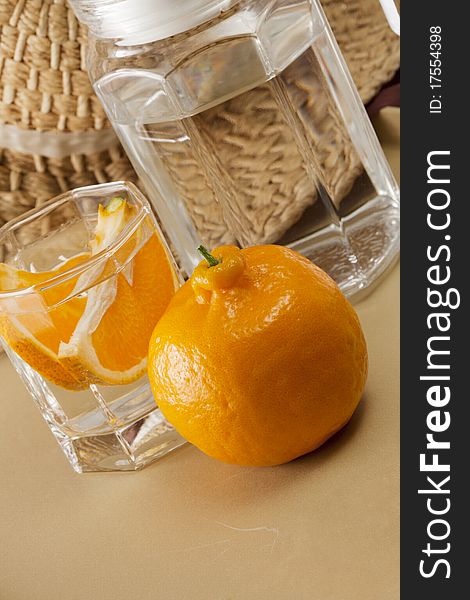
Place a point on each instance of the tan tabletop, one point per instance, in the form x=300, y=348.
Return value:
x=324, y=527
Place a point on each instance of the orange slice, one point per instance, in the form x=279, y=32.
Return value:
x=32, y=329
x=102, y=336
x=110, y=342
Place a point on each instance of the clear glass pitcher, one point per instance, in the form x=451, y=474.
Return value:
x=242, y=121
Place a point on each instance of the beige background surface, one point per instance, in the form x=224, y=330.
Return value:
x=324, y=527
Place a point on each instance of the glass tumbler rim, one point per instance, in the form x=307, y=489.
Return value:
x=29, y=216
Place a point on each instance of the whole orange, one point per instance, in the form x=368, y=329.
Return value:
x=258, y=359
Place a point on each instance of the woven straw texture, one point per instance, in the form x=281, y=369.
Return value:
x=44, y=87
x=369, y=46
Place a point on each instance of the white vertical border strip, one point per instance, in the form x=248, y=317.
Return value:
x=391, y=12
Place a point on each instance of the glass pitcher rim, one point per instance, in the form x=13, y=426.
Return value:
x=91, y=261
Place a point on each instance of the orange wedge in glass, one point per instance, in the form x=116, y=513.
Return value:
x=75, y=338
x=33, y=331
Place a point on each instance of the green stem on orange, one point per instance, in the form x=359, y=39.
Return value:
x=208, y=256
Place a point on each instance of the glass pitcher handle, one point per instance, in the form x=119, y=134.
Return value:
x=391, y=12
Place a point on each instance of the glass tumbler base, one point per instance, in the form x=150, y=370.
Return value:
x=127, y=449
x=101, y=429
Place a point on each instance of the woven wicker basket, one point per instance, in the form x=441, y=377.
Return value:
x=44, y=90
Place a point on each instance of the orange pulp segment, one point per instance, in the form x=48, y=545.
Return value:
x=33, y=331
x=102, y=336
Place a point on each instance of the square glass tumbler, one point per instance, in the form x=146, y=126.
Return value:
x=84, y=279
